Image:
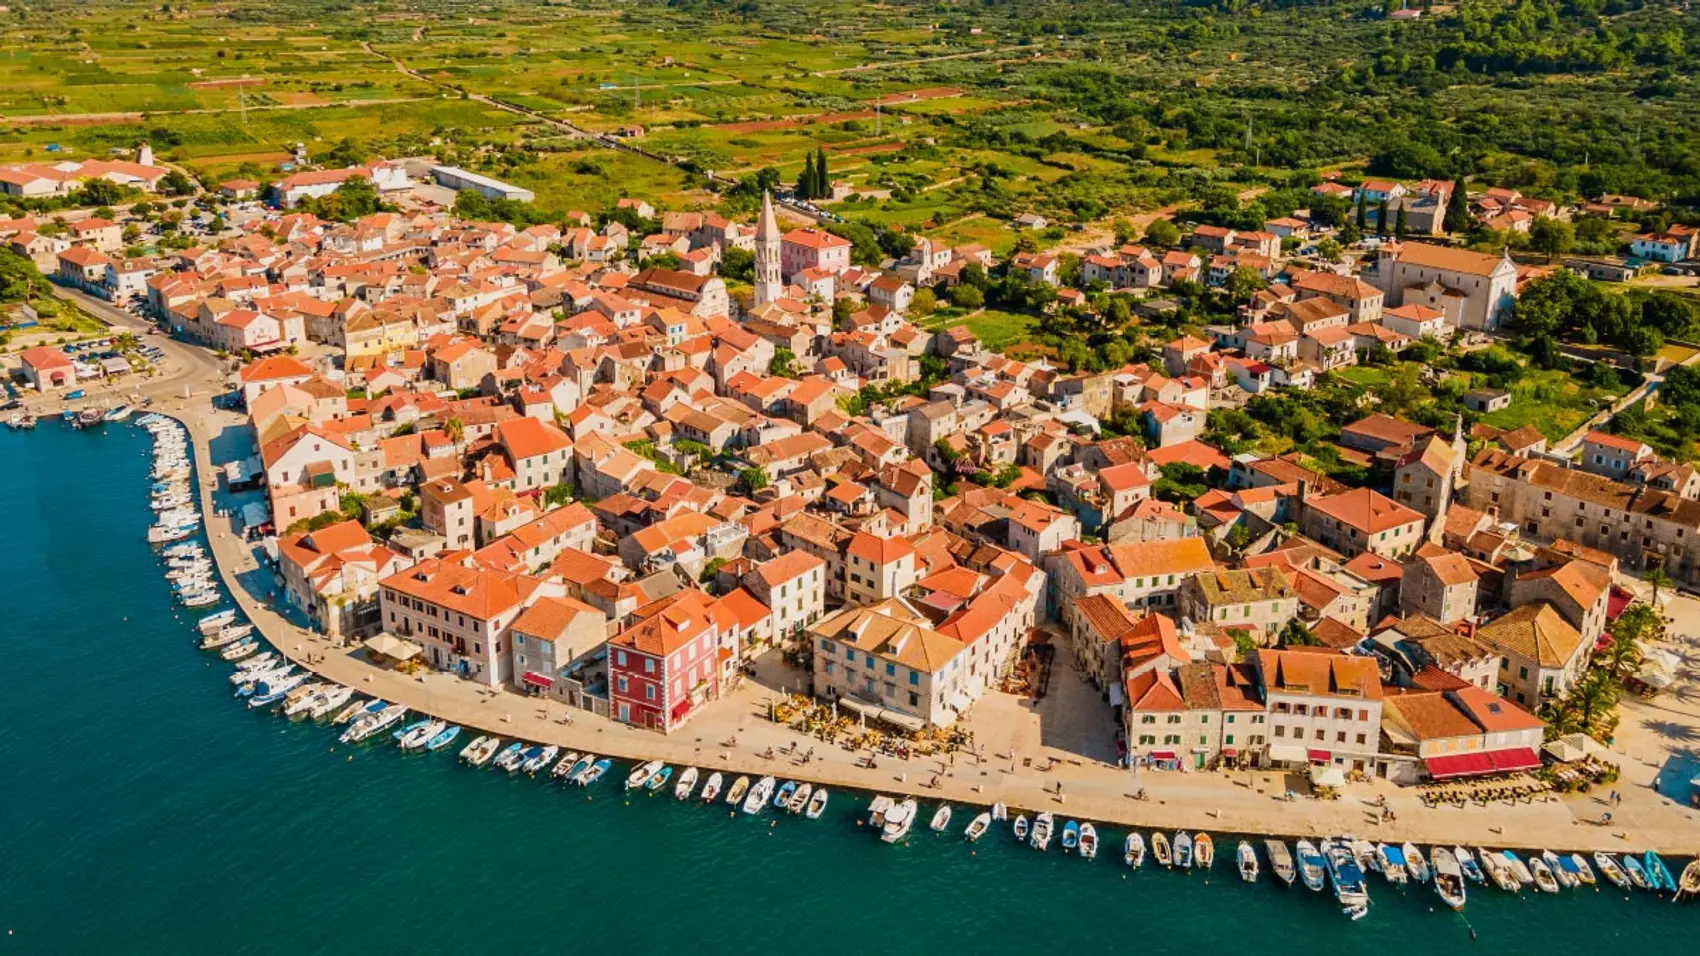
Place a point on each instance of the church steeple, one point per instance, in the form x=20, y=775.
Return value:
x=770, y=284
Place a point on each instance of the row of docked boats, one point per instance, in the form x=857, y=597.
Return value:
x=172, y=495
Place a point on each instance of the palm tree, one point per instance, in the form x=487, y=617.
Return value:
x=1594, y=698
x=1621, y=656
x=454, y=430
x=1656, y=579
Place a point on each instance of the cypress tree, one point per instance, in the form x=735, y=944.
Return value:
x=823, y=182
x=1457, y=207
x=1381, y=219
x=806, y=179
x=1360, y=214
x=1399, y=223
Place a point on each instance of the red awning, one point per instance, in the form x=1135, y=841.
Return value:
x=1230, y=751
x=537, y=680
x=1163, y=755
x=1319, y=756
x=1482, y=763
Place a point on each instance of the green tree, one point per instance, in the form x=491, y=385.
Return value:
x=1244, y=643
x=1399, y=222
x=1329, y=250
x=783, y=363
x=1657, y=579
x=923, y=304
x=823, y=179
x=753, y=479
x=176, y=183
x=1457, y=208
x=1381, y=218
x=806, y=179
x=1295, y=634
x=738, y=265
x=454, y=430
x=1360, y=216
x=1162, y=233
x=558, y=494
x=1553, y=237
x=967, y=297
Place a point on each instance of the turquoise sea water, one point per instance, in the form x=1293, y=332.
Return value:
x=143, y=811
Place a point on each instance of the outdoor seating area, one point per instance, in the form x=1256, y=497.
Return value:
x=1520, y=788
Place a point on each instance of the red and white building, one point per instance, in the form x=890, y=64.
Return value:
x=665, y=666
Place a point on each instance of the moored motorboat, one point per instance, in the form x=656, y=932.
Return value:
x=711, y=788
x=1203, y=851
x=1347, y=877
x=240, y=649
x=372, y=724
x=442, y=738
x=941, y=818
x=659, y=781
x=817, y=805
x=1584, y=872
x=1040, y=837
x=1160, y=849
x=539, y=762
x=1088, y=841
x=1448, y=878
x=740, y=787
x=758, y=795
x=1517, y=868
x=330, y=700
x=782, y=796
x=898, y=820
x=1637, y=873
x=1000, y=811
x=1545, y=881
x=576, y=770
x=419, y=734
x=481, y=751
x=977, y=827
x=1133, y=850
x=877, y=808
x=1566, y=875
x=1467, y=863
x=564, y=768
x=1612, y=870
x=1415, y=864
x=270, y=692
x=1312, y=866
x=687, y=783
x=596, y=771
x=1246, y=858
x=1500, y=873
x=1280, y=861
x=510, y=757
x=1657, y=875
x=1070, y=836
x=1689, y=883
x=1182, y=845
x=1392, y=863
x=357, y=709
x=800, y=799
x=641, y=773
x=1020, y=827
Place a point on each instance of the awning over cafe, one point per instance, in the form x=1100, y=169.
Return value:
x=1482, y=763
x=876, y=712
x=537, y=680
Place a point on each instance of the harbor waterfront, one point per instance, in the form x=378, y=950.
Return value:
x=149, y=812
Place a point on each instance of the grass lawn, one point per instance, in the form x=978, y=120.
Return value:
x=1370, y=376
x=996, y=329
x=1553, y=402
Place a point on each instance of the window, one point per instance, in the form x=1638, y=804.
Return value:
x=649, y=692
x=1229, y=740
x=1146, y=740
x=1174, y=718
x=1148, y=719
x=649, y=665
x=914, y=699
x=622, y=684
x=1172, y=738
x=890, y=669
x=1340, y=737
x=620, y=658
x=1360, y=740
x=914, y=678
x=1320, y=734
x=829, y=666
x=1280, y=730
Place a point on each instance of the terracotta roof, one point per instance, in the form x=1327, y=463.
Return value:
x=1366, y=510
x=1321, y=674
x=1450, y=260
x=1534, y=632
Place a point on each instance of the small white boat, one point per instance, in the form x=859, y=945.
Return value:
x=1042, y=827
x=1246, y=857
x=817, y=805
x=999, y=811
x=568, y=765
x=687, y=783
x=1497, y=871
x=759, y=794
x=1545, y=881
x=1133, y=850
x=941, y=818
x=1392, y=863
x=420, y=734
x=898, y=820
x=740, y=786
x=1612, y=870
x=479, y=752
x=1088, y=841
x=1467, y=863
x=539, y=762
x=1280, y=860
x=800, y=799
x=711, y=789
x=1203, y=851
x=977, y=827
x=216, y=620
x=1414, y=863
x=1517, y=868
x=1020, y=826
x=641, y=773
x=1160, y=849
